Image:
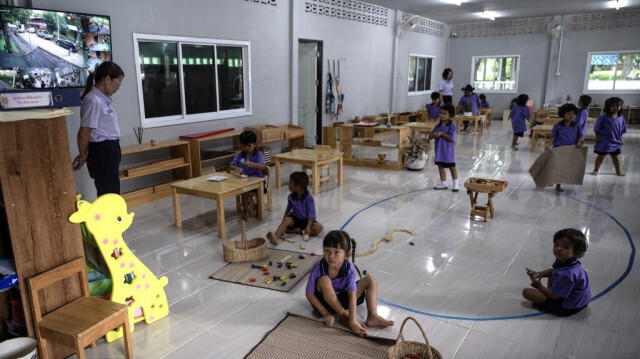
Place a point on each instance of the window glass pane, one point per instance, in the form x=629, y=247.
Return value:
x=428, y=72
x=161, y=91
x=495, y=73
x=421, y=74
x=199, y=79
x=412, y=73
x=230, y=73
x=602, y=71
x=628, y=72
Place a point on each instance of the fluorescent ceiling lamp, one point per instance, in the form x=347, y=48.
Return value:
x=455, y=2
x=488, y=15
x=617, y=4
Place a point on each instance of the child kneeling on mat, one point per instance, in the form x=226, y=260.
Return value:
x=333, y=288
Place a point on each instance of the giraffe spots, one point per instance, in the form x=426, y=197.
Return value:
x=105, y=241
x=146, y=286
x=144, y=275
x=96, y=217
x=151, y=317
x=122, y=265
x=115, y=242
x=137, y=286
x=131, y=265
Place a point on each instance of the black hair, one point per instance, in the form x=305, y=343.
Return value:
x=483, y=97
x=435, y=95
x=446, y=72
x=522, y=99
x=567, y=107
x=449, y=108
x=585, y=100
x=513, y=102
x=576, y=237
x=106, y=68
x=610, y=102
x=341, y=240
x=300, y=179
x=468, y=88
x=248, y=137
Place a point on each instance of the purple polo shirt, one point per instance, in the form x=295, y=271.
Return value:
x=581, y=120
x=566, y=136
x=303, y=208
x=485, y=104
x=96, y=113
x=609, y=130
x=345, y=281
x=445, y=150
x=570, y=282
x=433, y=111
x=473, y=99
x=519, y=116
x=256, y=157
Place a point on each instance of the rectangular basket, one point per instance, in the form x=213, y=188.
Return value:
x=267, y=133
x=292, y=131
x=485, y=185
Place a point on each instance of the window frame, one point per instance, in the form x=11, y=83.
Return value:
x=185, y=118
x=516, y=79
x=433, y=67
x=585, y=86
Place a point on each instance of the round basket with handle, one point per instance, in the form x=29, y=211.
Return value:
x=406, y=349
x=245, y=250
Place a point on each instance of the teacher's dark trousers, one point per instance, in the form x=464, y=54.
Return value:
x=103, y=163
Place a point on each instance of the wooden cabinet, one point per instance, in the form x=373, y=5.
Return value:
x=38, y=195
x=161, y=163
x=377, y=140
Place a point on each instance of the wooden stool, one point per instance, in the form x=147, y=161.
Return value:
x=480, y=185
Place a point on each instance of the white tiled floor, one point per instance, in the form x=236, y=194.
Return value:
x=458, y=270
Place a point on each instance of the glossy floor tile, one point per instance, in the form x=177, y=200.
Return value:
x=460, y=278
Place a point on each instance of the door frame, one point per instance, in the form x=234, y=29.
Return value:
x=319, y=83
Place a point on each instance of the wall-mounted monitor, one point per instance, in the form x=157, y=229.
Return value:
x=42, y=49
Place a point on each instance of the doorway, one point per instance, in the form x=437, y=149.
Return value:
x=310, y=90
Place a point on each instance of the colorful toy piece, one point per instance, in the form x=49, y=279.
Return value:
x=133, y=283
x=301, y=257
x=252, y=280
x=283, y=283
x=268, y=281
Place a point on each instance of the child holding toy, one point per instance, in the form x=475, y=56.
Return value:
x=445, y=147
x=300, y=215
x=519, y=115
x=609, y=129
x=566, y=132
x=248, y=162
x=567, y=291
x=333, y=288
x=433, y=109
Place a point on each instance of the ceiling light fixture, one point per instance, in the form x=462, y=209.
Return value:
x=488, y=15
x=455, y=2
x=617, y=4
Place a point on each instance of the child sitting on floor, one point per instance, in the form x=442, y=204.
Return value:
x=333, y=288
x=249, y=162
x=609, y=129
x=567, y=291
x=445, y=147
x=433, y=108
x=566, y=132
x=300, y=215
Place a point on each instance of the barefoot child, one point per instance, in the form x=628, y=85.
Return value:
x=300, y=215
x=445, y=147
x=609, y=129
x=519, y=115
x=566, y=132
x=249, y=162
x=333, y=288
x=567, y=291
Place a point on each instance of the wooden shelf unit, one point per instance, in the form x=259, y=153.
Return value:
x=179, y=164
x=346, y=145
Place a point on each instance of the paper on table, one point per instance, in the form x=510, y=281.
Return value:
x=217, y=178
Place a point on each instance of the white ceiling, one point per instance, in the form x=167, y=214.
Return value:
x=468, y=11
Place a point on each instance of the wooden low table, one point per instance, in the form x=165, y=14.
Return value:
x=481, y=185
x=543, y=131
x=475, y=119
x=217, y=191
x=421, y=128
x=312, y=159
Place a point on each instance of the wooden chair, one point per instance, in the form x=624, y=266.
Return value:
x=78, y=323
x=321, y=178
x=269, y=204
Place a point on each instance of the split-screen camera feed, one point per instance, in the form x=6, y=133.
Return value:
x=42, y=49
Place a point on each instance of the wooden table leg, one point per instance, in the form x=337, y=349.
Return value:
x=277, y=173
x=126, y=332
x=473, y=202
x=176, y=208
x=261, y=202
x=475, y=125
x=534, y=140
x=316, y=178
x=340, y=171
x=222, y=233
x=490, y=204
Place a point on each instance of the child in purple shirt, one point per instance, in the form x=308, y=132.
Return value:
x=445, y=147
x=566, y=132
x=470, y=98
x=567, y=291
x=609, y=129
x=332, y=286
x=483, y=101
x=433, y=109
x=248, y=162
x=300, y=215
x=519, y=115
x=583, y=113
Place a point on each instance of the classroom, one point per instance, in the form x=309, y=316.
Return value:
x=356, y=77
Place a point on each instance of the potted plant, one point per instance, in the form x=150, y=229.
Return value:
x=467, y=109
x=415, y=153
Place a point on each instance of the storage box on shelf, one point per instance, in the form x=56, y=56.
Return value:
x=155, y=162
x=267, y=133
x=391, y=139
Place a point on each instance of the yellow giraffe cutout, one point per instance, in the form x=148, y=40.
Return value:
x=132, y=282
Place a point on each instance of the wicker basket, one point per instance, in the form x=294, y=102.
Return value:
x=267, y=133
x=244, y=251
x=403, y=349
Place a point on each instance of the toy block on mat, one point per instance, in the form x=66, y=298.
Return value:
x=133, y=283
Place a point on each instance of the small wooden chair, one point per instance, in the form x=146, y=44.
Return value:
x=321, y=178
x=78, y=323
x=268, y=205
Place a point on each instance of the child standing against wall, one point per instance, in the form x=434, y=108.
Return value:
x=609, y=129
x=445, y=147
x=519, y=115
